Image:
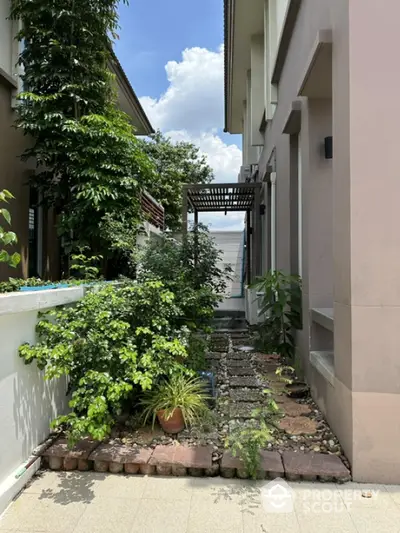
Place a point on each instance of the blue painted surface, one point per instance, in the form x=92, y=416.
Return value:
x=60, y=286
x=45, y=287
x=209, y=377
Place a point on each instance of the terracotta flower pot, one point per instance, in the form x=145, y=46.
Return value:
x=174, y=424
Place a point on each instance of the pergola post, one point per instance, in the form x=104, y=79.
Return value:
x=184, y=211
x=196, y=237
x=257, y=232
x=248, y=246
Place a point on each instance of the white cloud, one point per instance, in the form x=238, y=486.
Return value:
x=194, y=98
x=191, y=109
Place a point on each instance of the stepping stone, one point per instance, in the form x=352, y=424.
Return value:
x=239, y=356
x=213, y=356
x=245, y=395
x=299, y=425
x=240, y=371
x=312, y=466
x=176, y=459
x=244, y=381
x=219, y=343
x=237, y=363
x=243, y=410
x=292, y=408
x=271, y=466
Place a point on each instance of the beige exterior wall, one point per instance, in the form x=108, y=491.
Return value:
x=350, y=248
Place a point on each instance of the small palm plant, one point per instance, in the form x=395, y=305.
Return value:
x=178, y=402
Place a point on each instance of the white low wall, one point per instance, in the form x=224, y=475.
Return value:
x=28, y=403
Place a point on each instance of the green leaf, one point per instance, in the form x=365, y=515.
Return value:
x=6, y=215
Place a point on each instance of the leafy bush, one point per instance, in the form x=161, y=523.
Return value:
x=247, y=441
x=113, y=344
x=190, y=270
x=7, y=237
x=197, y=349
x=184, y=392
x=281, y=308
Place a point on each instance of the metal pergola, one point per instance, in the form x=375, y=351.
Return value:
x=228, y=197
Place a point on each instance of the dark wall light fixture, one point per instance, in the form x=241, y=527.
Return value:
x=328, y=147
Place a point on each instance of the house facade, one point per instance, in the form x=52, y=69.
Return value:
x=36, y=228
x=312, y=85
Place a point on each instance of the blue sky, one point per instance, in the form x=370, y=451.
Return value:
x=172, y=54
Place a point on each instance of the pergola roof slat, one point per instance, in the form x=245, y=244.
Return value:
x=222, y=196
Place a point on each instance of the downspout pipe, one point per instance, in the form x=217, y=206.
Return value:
x=273, y=221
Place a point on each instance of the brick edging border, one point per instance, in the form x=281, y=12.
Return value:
x=193, y=461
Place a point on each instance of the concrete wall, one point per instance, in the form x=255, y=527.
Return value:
x=231, y=245
x=28, y=402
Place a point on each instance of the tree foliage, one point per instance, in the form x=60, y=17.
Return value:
x=89, y=162
x=191, y=269
x=175, y=164
x=7, y=238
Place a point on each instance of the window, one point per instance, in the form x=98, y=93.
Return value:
x=35, y=229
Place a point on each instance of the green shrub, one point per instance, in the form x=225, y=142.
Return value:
x=281, y=309
x=113, y=344
x=191, y=272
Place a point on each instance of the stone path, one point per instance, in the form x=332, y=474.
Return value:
x=242, y=377
x=90, y=502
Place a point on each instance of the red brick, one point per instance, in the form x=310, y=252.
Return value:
x=84, y=465
x=131, y=468
x=118, y=453
x=270, y=466
x=115, y=468
x=164, y=470
x=70, y=463
x=147, y=469
x=308, y=465
x=55, y=463
x=81, y=450
x=197, y=457
x=101, y=466
x=178, y=471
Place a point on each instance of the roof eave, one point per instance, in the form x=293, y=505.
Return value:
x=228, y=55
x=140, y=113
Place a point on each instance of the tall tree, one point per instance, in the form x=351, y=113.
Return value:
x=175, y=164
x=89, y=163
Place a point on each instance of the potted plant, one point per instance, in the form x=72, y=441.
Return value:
x=177, y=402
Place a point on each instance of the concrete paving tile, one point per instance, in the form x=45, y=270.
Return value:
x=374, y=521
x=161, y=516
x=43, y=480
x=223, y=517
x=11, y=519
x=168, y=488
x=316, y=497
x=326, y=522
x=258, y=521
x=394, y=492
x=108, y=515
x=120, y=486
x=367, y=496
x=32, y=513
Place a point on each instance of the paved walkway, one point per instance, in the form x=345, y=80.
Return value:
x=61, y=502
